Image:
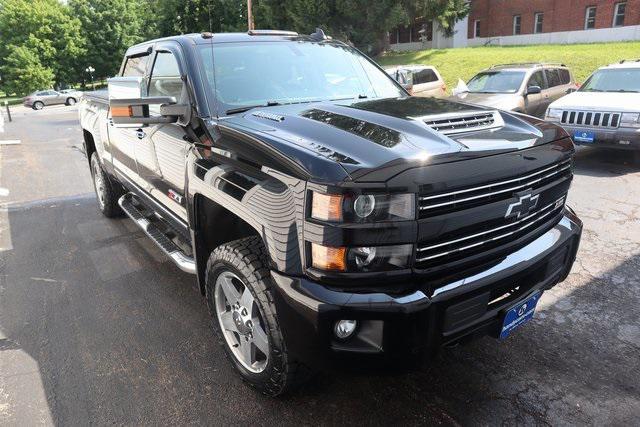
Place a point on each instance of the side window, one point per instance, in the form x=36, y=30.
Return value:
x=565, y=77
x=424, y=76
x=165, y=78
x=537, y=79
x=553, y=77
x=136, y=66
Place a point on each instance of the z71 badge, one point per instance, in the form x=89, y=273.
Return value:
x=174, y=196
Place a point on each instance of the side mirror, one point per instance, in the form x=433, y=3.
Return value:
x=130, y=107
x=571, y=90
x=533, y=90
x=135, y=111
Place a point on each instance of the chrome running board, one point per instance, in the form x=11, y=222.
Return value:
x=182, y=260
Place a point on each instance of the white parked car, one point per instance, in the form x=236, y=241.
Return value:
x=605, y=111
x=419, y=80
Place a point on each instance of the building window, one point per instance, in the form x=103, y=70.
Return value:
x=538, y=22
x=590, y=18
x=476, y=28
x=618, y=14
x=517, y=20
x=404, y=34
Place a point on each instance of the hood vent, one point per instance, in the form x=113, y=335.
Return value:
x=453, y=123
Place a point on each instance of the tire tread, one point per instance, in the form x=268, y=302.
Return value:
x=249, y=257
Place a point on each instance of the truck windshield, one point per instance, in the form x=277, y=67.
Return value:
x=496, y=82
x=269, y=73
x=620, y=80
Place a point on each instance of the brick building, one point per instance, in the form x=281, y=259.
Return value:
x=522, y=22
x=495, y=18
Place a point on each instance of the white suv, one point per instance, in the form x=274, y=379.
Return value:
x=605, y=111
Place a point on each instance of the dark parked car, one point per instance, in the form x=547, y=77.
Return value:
x=325, y=213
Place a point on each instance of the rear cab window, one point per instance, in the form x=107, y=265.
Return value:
x=136, y=66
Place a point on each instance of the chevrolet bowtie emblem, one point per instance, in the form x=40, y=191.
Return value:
x=523, y=206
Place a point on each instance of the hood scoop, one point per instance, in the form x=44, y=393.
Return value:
x=461, y=122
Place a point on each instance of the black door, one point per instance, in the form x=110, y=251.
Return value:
x=162, y=152
x=124, y=140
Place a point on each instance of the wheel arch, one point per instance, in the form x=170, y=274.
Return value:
x=89, y=144
x=215, y=225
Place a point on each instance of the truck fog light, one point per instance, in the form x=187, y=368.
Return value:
x=364, y=205
x=345, y=328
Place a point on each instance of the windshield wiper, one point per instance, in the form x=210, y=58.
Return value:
x=361, y=96
x=625, y=91
x=249, y=107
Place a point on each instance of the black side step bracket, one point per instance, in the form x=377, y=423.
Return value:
x=173, y=251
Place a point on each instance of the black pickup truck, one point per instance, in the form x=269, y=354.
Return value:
x=327, y=214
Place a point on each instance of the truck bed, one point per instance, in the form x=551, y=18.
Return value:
x=101, y=95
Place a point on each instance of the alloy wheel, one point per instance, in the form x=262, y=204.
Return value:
x=99, y=184
x=241, y=322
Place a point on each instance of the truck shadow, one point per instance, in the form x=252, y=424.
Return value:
x=602, y=162
x=121, y=336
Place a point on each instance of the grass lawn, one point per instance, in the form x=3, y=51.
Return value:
x=13, y=100
x=464, y=63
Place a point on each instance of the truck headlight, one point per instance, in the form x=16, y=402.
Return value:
x=361, y=259
x=554, y=114
x=630, y=120
x=363, y=208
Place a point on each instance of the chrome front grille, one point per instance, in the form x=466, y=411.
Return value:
x=591, y=118
x=438, y=204
x=464, y=122
x=493, y=236
x=484, y=222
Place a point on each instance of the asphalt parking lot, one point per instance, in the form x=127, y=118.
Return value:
x=97, y=326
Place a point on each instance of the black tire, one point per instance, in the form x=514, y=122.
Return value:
x=107, y=192
x=38, y=105
x=247, y=259
x=70, y=101
x=636, y=158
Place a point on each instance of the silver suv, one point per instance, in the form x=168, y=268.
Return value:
x=37, y=100
x=526, y=88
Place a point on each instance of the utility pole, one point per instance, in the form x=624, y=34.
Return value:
x=250, y=16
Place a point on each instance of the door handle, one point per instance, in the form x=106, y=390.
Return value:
x=140, y=134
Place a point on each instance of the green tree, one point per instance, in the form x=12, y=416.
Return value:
x=110, y=27
x=364, y=23
x=47, y=30
x=22, y=72
x=193, y=16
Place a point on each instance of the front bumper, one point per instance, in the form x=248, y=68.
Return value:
x=622, y=138
x=421, y=321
